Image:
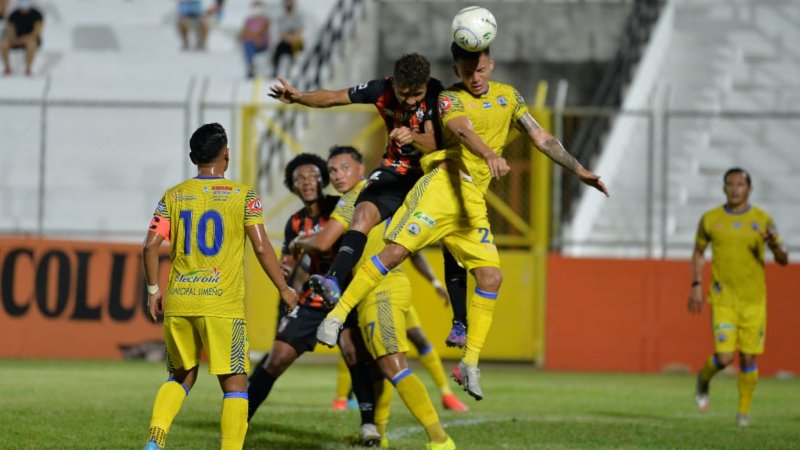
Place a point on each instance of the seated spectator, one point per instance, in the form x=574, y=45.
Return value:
x=290, y=32
x=3, y=7
x=24, y=32
x=193, y=15
x=255, y=34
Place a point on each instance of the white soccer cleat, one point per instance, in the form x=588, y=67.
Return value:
x=701, y=398
x=742, y=420
x=328, y=331
x=370, y=436
x=469, y=378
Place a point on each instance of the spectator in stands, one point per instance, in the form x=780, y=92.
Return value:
x=24, y=32
x=254, y=34
x=290, y=35
x=193, y=14
x=3, y=7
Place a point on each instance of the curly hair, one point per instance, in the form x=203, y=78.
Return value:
x=412, y=70
x=301, y=160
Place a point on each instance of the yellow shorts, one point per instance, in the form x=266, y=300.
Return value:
x=739, y=326
x=443, y=206
x=382, y=316
x=225, y=342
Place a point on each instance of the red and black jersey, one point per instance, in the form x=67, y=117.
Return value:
x=309, y=225
x=403, y=160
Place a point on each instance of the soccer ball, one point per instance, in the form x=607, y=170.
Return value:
x=474, y=28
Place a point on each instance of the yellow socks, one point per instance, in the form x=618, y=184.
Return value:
x=368, y=276
x=429, y=358
x=416, y=398
x=342, y=380
x=168, y=402
x=480, y=310
x=710, y=368
x=233, y=420
x=383, y=405
x=748, y=377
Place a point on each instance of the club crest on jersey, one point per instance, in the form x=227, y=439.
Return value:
x=254, y=206
x=487, y=105
x=737, y=224
x=444, y=105
x=413, y=229
x=754, y=226
x=721, y=337
x=420, y=114
x=502, y=101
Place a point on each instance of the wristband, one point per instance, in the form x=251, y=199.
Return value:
x=696, y=283
x=436, y=283
x=152, y=289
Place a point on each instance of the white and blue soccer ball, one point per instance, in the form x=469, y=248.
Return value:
x=474, y=28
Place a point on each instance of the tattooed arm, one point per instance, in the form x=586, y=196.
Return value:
x=550, y=146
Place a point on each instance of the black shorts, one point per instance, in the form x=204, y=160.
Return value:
x=299, y=328
x=386, y=190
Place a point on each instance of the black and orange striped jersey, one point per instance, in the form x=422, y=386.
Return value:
x=302, y=222
x=403, y=160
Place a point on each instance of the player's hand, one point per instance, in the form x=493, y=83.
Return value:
x=402, y=135
x=695, y=305
x=498, y=166
x=442, y=293
x=589, y=178
x=284, y=92
x=289, y=297
x=155, y=306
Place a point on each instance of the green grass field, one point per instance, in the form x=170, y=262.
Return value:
x=106, y=405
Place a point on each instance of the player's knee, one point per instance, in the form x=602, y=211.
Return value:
x=392, y=255
x=278, y=363
x=489, y=279
x=724, y=359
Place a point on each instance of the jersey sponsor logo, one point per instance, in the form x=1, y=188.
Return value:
x=502, y=101
x=424, y=218
x=444, y=106
x=358, y=87
x=413, y=229
x=375, y=175
x=208, y=291
x=737, y=224
x=487, y=105
x=206, y=275
x=181, y=197
x=255, y=205
x=716, y=287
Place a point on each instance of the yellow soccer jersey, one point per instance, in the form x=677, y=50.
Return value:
x=206, y=219
x=343, y=213
x=492, y=115
x=737, y=253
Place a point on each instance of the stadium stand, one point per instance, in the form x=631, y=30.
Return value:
x=719, y=82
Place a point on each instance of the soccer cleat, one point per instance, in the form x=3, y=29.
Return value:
x=370, y=436
x=328, y=331
x=742, y=420
x=327, y=288
x=451, y=402
x=701, y=398
x=446, y=445
x=457, y=336
x=469, y=378
x=151, y=445
x=339, y=404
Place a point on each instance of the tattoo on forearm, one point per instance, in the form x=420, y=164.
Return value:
x=553, y=149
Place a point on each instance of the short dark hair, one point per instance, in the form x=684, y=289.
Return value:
x=337, y=150
x=207, y=142
x=737, y=170
x=412, y=70
x=459, y=54
x=301, y=160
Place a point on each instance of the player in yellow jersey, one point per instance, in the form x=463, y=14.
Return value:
x=205, y=219
x=738, y=233
x=448, y=203
x=386, y=314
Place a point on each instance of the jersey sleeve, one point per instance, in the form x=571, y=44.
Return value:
x=253, y=209
x=520, y=107
x=161, y=223
x=343, y=213
x=771, y=226
x=702, y=238
x=366, y=92
x=288, y=236
x=450, y=106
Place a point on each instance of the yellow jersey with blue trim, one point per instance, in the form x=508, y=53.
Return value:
x=737, y=248
x=346, y=207
x=492, y=115
x=206, y=218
